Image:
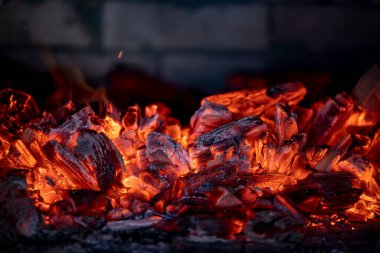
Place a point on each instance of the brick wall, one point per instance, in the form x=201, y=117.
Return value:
x=193, y=42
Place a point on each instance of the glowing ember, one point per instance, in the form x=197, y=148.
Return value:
x=244, y=151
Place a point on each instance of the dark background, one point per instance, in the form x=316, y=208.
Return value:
x=177, y=51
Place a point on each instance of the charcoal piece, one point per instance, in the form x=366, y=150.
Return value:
x=119, y=214
x=286, y=123
x=161, y=200
x=220, y=197
x=328, y=124
x=312, y=156
x=336, y=190
x=131, y=118
x=30, y=135
x=222, y=138
x=276, y=226
x=304, y=118
x=98, y=153
x=157, y=108
x=288, y=93
x=209, y=179
x=127, y=225
x=76, y=174
x=358, y=166
x=18, y=216
x=222, y=155
x=245, y=103
x=127, y=144
x=139, y=207
x=266, y=146
x=208, y=117
x=19, y=156
x=150, y=124
x=67, y=132
x=330, y=160
x=247, y=195
x=173, y=129
x=89, y=202
x=285, y=154
x=103, y=108
x=162, y=149
x=272, y=182
x=360, y=212
x=218, y=225
x=361, y=144
x=283, y=204
x=242, y=103
x=148, y=179
x=246, y=127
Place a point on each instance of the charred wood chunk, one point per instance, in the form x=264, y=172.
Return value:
x=208, y=117
x=76, y=174
x=288, y=93
x=208, y=179
x=127, y=225
x=357, y=166
x=304, y=118
x=285, y=154
x=132, y=118
x=335, y=190
x=266, y=146
x=361, y=144
x=276, y=226
x=246, y=127
x=274, y=183
x=220, y=197
x=67, y=132
x=160, y=148
x=30, y=135
x=128, y=143
x=102, y=109
x=242, y=103
x=89, y=202
x=255, y=102
x=119, y=214
x=283, y=204
x=330, y=160
x=286, y=123
x=150, y=124
x=19, y=156
x=100, y=155
x=18, y=216
x=328, y=124
x=312, y=156
x=225, y=137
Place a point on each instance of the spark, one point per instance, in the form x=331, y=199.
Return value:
x=120, y=54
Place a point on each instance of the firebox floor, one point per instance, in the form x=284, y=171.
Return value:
x=357, y=237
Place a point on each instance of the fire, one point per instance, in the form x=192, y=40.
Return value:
x=242, y=151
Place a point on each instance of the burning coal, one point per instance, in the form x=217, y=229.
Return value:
x=245, y=154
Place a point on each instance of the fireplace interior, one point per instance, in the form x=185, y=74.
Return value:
x=189, y=126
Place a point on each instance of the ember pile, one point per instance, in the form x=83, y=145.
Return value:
x=254, y=161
